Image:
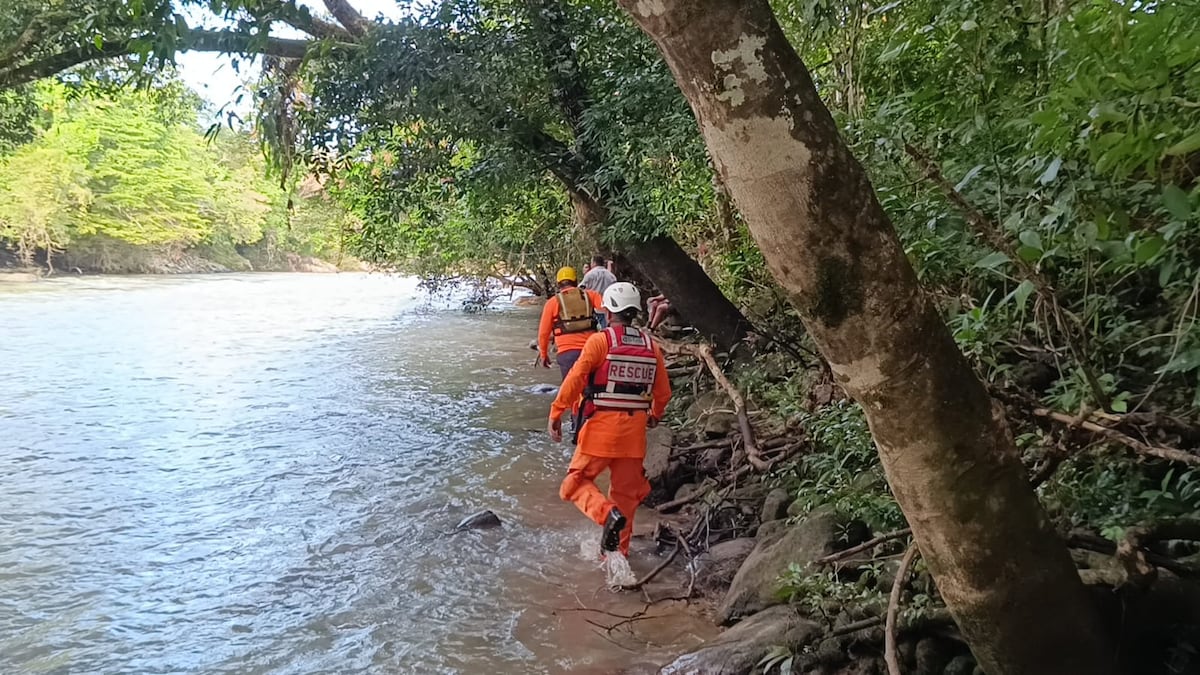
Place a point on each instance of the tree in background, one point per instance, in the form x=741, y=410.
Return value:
x=119, y=179
x=526, y=104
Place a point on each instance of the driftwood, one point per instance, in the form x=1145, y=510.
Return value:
x=865, y=546
x=784, y=451
x=893, y=610
x=1091, y=542
x=1122, y=438
x=704, y=351
x=661, y=566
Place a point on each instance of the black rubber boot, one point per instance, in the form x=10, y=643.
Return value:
x=610, y=539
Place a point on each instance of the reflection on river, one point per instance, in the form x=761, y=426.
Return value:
x=255, y=473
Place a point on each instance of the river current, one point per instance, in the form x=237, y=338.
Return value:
x=257, y=474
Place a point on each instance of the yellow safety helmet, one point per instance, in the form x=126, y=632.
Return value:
x=566, y=274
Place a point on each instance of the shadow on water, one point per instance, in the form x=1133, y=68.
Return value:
x=256, y=474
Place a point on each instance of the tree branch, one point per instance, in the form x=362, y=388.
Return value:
x=1170, y=454
x=319, y=28
x=890, y=654
x=199, y=40
x=349, y=17
x=704, y=351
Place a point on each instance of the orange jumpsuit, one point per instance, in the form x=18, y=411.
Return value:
x=610, y=439
x=567, y=341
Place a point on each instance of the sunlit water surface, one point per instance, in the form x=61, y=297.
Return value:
x=256, y=474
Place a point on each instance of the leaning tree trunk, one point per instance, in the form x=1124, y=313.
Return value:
x=948, y=454
x=664, y=263
x=691, y=291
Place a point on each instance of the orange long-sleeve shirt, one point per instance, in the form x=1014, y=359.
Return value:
x=567, y=341
x=610, y=433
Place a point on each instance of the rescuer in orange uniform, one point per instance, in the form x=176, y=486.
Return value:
x=570, y=317
x=621, y=376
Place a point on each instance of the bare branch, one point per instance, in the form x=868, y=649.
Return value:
x=890, y=654
x=349, y=17
x=319, y=28
x=199, y=40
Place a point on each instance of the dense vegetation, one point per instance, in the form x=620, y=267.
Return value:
x=121, y=180
x=1039, y=162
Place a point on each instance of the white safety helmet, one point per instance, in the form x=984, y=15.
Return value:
x=622, y=296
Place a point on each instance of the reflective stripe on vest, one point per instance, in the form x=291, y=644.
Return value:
x=625, y=379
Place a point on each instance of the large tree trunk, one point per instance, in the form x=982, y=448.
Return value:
x=663, y=263
x=945, y=446
x=691, y=291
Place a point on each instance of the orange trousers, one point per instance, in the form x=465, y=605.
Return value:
x=628, y=488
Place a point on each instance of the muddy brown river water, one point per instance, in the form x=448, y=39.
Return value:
x=256, y=474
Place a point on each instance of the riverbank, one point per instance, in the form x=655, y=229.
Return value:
x=12, y=270
x=775, y=509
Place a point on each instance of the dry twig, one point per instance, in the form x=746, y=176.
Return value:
x=704, y=351
x=865, y=546
x=661, y=566
x=1115, y=436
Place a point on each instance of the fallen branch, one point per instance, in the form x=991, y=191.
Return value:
x=1115, y=436
x=682, y=371
x=865, y=546
x=784, y=450
x=704, y=351
x=706, y=445
x=893, y=609
x=1091, y=542
x=849, y=628
x=683, y=501
x=728, y=441
x=661, y=566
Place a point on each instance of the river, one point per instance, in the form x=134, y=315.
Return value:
x=256, y=474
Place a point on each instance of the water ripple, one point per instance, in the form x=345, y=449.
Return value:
x=257, y=474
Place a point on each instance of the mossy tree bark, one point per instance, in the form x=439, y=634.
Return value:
x=949, y=456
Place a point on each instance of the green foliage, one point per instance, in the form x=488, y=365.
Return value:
x=819, y=590
x=1111, y=493
x=1072, y=130
x=131, y=170
x=843, y=471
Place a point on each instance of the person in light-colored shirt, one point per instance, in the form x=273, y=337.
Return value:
x=598, y=277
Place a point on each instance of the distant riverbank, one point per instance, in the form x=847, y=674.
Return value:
x=184, y=262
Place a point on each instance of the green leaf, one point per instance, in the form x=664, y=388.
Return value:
x=1189, y=144
x=1177, y=202
x=1120, y=406
x=1166, y=271
x=992, y=260
x=1148, y=248
x=98, y=41
x=969, y=25
x=1051, y=172
x=1182, y=363
x=1022, y=293
x=1029, y=254
x=1031, y=239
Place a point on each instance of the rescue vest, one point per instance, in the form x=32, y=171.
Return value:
x=625, y=379
x=575, y=312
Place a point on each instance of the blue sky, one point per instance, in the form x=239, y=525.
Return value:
x=213, y=77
